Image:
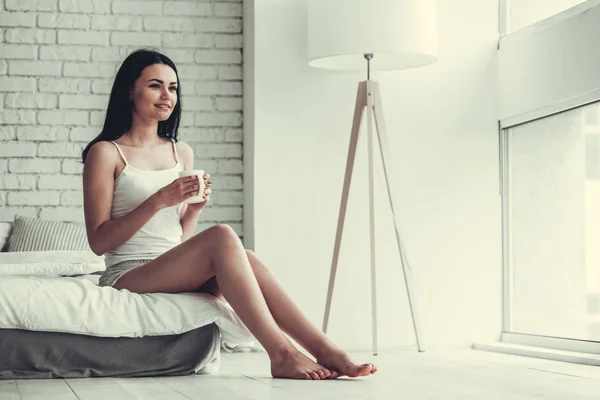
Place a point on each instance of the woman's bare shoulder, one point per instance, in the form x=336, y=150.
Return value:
x=103, y=148
x=104, y=153
x=186, y=152
x=183, y=146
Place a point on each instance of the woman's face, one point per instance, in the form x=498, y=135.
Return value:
x=154, y=93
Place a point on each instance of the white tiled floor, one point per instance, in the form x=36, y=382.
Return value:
x=405, y=374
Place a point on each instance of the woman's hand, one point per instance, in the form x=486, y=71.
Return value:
x=197, y=207
x=176, y=192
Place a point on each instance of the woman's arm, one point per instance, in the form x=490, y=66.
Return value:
x=188, y=217
x=188, y=224
x=103, y=233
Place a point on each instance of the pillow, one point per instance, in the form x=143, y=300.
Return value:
x=32, y=234
x=51, y=263
x=5, y=228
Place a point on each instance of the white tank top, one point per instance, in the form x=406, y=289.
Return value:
x=163, y=231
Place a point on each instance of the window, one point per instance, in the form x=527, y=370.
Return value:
x=549, y=117
x=553, y=221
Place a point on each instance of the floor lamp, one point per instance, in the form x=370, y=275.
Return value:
x=365, y=35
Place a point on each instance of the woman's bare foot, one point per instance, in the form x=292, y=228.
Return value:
x=295, y=365
x=340, y=364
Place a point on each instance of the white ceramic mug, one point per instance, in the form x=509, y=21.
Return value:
x=190, y=172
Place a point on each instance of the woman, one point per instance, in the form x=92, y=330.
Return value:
x=135, y=215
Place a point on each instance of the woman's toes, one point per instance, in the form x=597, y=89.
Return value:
x=315, y=376
x=366, y=369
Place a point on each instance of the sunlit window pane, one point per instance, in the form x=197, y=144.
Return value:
x=554, y=225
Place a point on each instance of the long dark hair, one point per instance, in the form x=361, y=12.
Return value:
x=120, y=107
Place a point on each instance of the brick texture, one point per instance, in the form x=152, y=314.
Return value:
x=57, y=65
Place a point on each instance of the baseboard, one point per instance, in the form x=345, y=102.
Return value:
x=540, y=352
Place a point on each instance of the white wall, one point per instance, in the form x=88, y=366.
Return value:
x=442, y=125
x=58, y=59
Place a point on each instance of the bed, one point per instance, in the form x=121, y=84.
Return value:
x=56, y=322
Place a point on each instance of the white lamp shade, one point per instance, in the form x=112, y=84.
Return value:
x=400, y=33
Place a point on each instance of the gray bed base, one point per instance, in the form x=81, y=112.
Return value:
x=43, y=355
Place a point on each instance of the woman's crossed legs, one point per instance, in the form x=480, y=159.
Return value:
x=256, y=296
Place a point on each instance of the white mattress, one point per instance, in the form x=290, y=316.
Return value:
x=78, y=305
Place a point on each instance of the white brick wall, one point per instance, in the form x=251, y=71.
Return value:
x=58, y=59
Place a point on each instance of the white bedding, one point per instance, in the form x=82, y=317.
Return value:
x=78, y=305
x=50, y=263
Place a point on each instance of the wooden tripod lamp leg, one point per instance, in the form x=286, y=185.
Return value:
x=409, y=281
x=370, y=86
x=358, y=111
